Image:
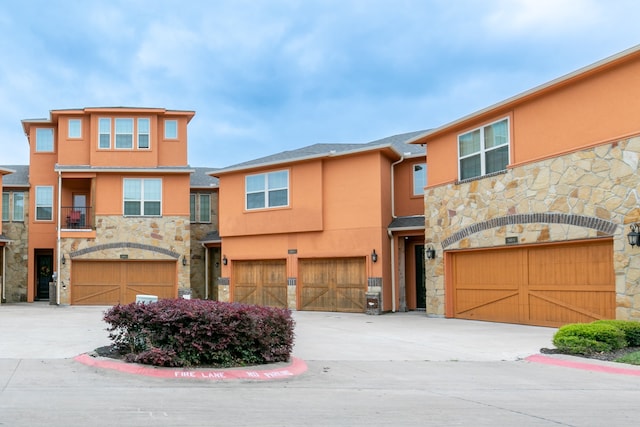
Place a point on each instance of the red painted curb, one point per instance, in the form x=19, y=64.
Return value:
x=296, y=367
x=539, y=358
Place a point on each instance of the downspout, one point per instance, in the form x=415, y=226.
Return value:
x=390, y=234
x=58, y=257
x=4, y=273
x=206, y=271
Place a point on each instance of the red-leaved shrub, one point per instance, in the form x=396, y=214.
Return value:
x=184, y=332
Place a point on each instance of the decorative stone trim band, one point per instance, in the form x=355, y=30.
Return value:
x=119, y=245
x=601, y=225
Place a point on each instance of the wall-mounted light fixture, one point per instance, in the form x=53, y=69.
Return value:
x=62, y=260
x=374, y=256
x=224, y=260
x=430, y=252
x=634, y=235
x=184, y=260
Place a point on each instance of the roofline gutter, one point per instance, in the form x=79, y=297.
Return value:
x=306, y=158
x=72, y=169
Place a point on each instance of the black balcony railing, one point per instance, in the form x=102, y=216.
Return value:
x=77, y=218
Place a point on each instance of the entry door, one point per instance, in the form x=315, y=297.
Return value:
x=44, y=274
x=80, y=205
x=421, y=290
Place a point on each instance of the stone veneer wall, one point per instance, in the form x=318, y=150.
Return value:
x=198, y=257
x=16, y=258
x=167, y=238
x=586, y=194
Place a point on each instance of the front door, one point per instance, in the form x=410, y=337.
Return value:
x=80, y=205
x=44, y=273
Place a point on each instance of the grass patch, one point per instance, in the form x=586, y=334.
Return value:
x=631, y=358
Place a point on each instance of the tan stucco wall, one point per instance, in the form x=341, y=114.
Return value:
x=585, y=194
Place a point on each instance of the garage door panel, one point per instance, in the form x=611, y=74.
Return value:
x=333, y=284
x=118, y=282
x=260, y=282
x=552, y=285
x=102, y=294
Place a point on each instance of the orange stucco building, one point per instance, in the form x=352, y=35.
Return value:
x=529, y=203
x=109, y=204
x=311, y=229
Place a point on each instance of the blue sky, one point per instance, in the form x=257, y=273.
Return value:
x=273, y=75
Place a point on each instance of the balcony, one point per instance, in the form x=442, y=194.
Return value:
x=77, y=218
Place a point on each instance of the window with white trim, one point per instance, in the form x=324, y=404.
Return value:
x=484, y=150
x=267, y=190
x=142, y=197
x=200, y=205
x=104, y=133
x=44, y=140
x=75, y=128
x=170, y=129
x=124, y=133
x=419, y=178
x=44, y=203
x=143, y=133
x=5, y=207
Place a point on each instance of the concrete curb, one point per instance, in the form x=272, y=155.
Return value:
x=294, y=368
x=576, y=363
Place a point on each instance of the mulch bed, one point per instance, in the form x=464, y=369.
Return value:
x=609, y=356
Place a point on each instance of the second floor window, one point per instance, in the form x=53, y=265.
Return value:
x=44, y=203
x=5, y=206
x=104, y=133
x=419, y=178
x=200, y=207
x=142, y=197
x=484, y=150
x=143, y=133
x=44, y=140
x=170, y=129
x=75, y=128
x=13, y=206
x=124, y=133
x=267, y=190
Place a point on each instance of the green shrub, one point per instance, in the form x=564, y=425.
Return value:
x=630, y=328
x=631, y=358
x=578, y=338
x=198, y=332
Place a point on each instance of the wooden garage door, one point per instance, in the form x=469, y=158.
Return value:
x=337, y=284
x=549, y=285
x=118, y=282
x=262, y=282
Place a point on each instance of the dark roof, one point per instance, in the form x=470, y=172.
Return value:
x=415, y=221
x=20, y=178
x=201, y=179
x=398, y=142
x=211, y=237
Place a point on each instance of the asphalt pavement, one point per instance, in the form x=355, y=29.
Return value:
x=348, y=370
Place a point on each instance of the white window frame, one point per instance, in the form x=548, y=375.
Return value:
x=118, y=132
x=18, y=198
x=265, y=190
x=74, y=130
x=483, y=150
x=195, y=206
x=104, y=129
x=40, y=204
x=143, y=199
x=419, y=180
x=146, y=133
x=5, y=206
x=170, y=132
x=44, y=136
